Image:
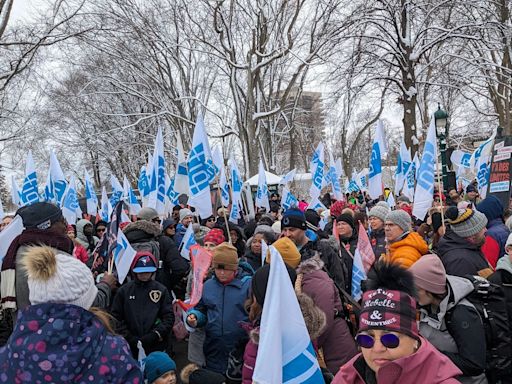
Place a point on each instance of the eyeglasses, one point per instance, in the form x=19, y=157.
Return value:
x=389, y=340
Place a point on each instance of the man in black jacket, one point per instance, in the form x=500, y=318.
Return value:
x=143, y=308
x=460, y=247
x=145, y=234
x=294, y=227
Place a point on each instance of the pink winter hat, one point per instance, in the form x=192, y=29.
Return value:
x=429, y=274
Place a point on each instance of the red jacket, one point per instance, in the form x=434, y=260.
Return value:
x=426, y=366
x=80, y=253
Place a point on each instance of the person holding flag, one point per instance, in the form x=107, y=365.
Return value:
x=221, y=308
x=145, y=234
x=143, y=307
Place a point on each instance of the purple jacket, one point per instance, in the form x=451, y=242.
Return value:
x=64, y=343
x=426, y=366
x=336, y=341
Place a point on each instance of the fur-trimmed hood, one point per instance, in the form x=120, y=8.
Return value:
x=310, y=265
x=144, y=226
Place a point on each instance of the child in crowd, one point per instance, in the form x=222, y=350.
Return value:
x=159, y=368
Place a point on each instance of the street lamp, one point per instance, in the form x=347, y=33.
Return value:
x=441, y=119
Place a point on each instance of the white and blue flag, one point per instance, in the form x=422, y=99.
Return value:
x=236, y=192
x=157, y=192
x=483, y=149
x=375, y=169
x=262, y=192
x=123, y=256
x=181, y=175
x=7, y=236
x=404, y=159
x=143, y=183
x=288, y=178
x=15, y=192
x=130, y=198
x=409, y=181
x=172, y=194
x=90, y=196
x=117, y=191
x=56, y=183
x=285, y=352
x=218, y=158
x=2, y=213
x=188, y=241
x=424, y=193
x=317, y=171
x=70, y=207
x=200, y=164
x=288, y=200
x=224, y=188
x=106, y=207
x=335, y=178
x=29, y=191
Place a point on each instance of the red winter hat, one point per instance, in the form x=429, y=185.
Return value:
x=337, y=207
x=215, y=236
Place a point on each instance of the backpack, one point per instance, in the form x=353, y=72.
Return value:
x=489, y=301
x=151, y=246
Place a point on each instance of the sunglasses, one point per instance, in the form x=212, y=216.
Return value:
x=156, y=220
x=389, y=340
x=212, y=220
x=101, y=230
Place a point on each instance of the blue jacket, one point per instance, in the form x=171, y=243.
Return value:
x=63, y=343
x=180, y=233
x=220, y=311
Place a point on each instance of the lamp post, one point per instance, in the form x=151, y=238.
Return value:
x=441, y=118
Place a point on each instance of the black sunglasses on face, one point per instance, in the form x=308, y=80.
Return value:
x=156, y=220
x=100, y=230
x=389, y=340
x=212, y=220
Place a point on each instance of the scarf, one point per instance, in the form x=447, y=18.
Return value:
x=30, y=236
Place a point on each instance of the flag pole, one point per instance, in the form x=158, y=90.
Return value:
x=226, y=220
x=440, y=192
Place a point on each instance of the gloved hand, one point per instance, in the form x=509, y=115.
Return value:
x=149, y=339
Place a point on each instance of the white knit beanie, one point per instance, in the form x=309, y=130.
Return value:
x=58, y=278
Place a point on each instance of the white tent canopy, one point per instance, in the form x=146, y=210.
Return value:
x=271, y=179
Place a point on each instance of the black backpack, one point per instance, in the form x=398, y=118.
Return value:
x=489, y=300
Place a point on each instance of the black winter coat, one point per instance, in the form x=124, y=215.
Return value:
x=503, y=278
x=378, y=241
x=460, y=257
x=333, y=261
x=175, y=267
x=144, y=312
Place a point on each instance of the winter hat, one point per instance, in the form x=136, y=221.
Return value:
x=312, y=219
x=471, y=188
x=157, y=364
x=388, y=302
x=466, y=222
x=347, y=218
x=147, y=214
x=337, y=208
x=143, y=262
x=294, y=218
x=288, y=251
x=185, y=212
x=58, y=278
x=379, y=211
x=276, y=227
x=491, y=207
x=429, y=274
x=260, y=281
x=265, y=229
x=225, y=256
x=509, y=241
x=167, y=223
x=400, y=218
x=216, y=236
x=403, y=199
x=40, y=215
x=193, y=374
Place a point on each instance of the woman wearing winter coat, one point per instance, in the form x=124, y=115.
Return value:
x=346, y=229
x=392, y=350
x=313, y=316
x=335, y=342
x=59, y=338
x=448, y=320
x=84, y=235
x=253, y=253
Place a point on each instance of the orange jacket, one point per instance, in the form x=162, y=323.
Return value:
x=407, y=251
